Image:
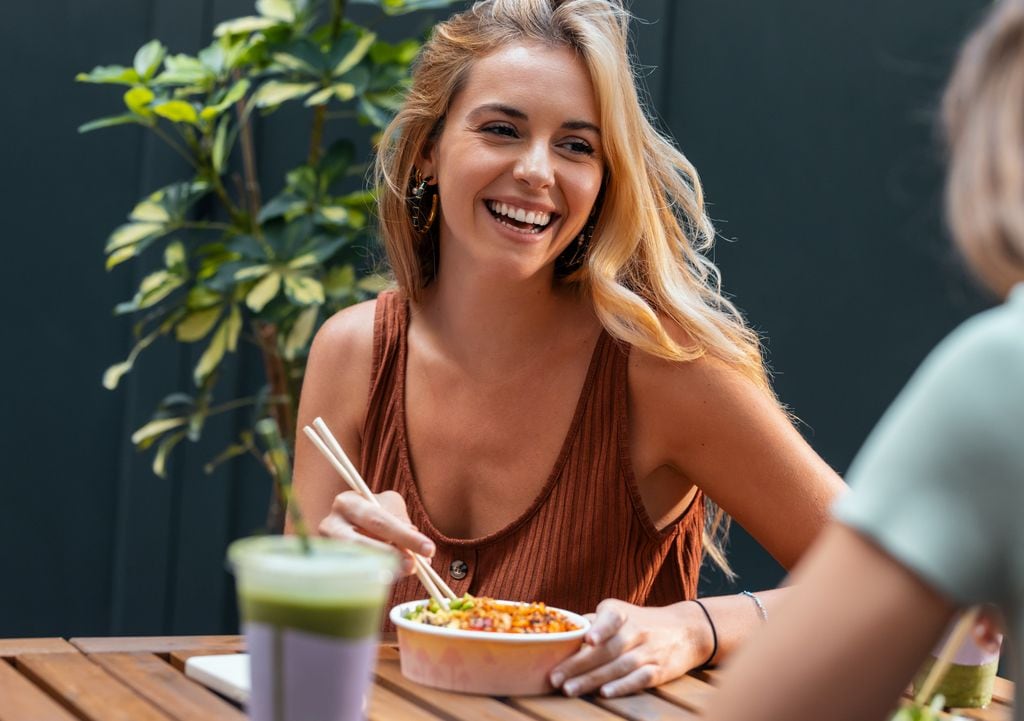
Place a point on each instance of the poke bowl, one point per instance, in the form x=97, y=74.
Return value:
x=459, y=651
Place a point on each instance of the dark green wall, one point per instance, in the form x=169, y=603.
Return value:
x=811, y=124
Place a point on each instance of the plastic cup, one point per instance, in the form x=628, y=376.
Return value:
x=311, y=624
x=970, y=679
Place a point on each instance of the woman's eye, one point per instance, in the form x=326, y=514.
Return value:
x=580, y=146
x=506, y=130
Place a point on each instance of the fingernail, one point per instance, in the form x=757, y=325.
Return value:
x=427, y=549
x=607, y=691
x=571, y=688
x=557, y=678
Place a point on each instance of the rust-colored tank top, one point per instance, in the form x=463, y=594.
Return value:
x=586, y=536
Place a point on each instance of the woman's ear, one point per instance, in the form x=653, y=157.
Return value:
x=428, y=161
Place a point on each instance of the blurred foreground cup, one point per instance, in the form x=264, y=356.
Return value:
x=311, y=624
x=969, y=680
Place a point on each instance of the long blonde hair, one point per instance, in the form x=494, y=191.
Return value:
x=645, y=268
x=983, y=113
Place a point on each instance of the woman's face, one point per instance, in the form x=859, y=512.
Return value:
x=519, y=161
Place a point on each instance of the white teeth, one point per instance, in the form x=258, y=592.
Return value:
x=533, y=217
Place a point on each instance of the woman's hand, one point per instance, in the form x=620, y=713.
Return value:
x=387, y=526
x=629, y=648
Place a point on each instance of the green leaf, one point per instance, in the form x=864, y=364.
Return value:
x=184, y=70
x=138, y=98
x=132, y=233
x=281, y=10
x=252, y=271
x=322, y=250
x=301, y=332
x=294, y=62
x=213, y=354
x=274, y=92
x=320, y=97
x=113, y=74
x=403, y=7
x=336, y=160
x=174, y=256
x=148, y=59
x=373, y=114
x=245, y=25
x=121, y=255
x=155, y=428
x=374, y=283
x=112, y=376
x=221, y=147
x=356, y=54
x=340, y=281
x=236, y=93
x=335, y=214
x=197, y=325
x=177, y=111
x=285, y=205
x=162, y=451
x=234, y=328
x=200, y=298
x=263, y=292
x=155, y=287
x=149, y=211
x=107, y=122
x=303, y=290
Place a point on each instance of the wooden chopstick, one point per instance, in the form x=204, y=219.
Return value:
x=945, y=659
x=360, y=486
x=328, y=445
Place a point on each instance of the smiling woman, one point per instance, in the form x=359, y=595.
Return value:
x=557, y=402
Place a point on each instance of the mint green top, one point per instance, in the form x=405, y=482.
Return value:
x=939, y=484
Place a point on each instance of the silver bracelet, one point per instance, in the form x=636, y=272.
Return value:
x=761, y=610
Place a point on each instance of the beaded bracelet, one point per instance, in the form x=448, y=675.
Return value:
x=714, y=634
x=761, y=610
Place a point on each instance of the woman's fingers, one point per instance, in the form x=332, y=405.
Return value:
x=388, y=522
x=617, y=668
x=610, y=617
x=633, y=682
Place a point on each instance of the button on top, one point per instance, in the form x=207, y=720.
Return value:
x=458, y=569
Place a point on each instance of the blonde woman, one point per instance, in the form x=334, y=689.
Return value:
x=934, y=519
x=557, y=403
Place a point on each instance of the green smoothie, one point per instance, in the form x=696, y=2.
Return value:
x=310, y=622
x=326, y=617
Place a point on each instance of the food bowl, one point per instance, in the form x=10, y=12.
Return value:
x=483, y=662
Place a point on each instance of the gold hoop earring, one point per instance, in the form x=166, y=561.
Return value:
x=422, y=218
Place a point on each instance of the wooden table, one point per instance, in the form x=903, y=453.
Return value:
x=142, y=679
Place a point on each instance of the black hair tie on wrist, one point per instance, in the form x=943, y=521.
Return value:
x=714, y=635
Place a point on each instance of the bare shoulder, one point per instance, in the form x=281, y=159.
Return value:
x=669, y=391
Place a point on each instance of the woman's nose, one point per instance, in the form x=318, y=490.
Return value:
x=534, y=167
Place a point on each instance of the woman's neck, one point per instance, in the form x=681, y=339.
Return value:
x=493, y=326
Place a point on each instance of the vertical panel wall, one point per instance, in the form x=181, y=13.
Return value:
x=810, y=123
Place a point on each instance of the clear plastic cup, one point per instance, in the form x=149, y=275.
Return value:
x=311, y=624
x=970, y=679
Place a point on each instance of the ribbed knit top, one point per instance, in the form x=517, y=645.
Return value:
x=587, y=535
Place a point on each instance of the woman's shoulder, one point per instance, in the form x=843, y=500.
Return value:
x=344, y=344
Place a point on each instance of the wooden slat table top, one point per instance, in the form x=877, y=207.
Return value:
x=11, y=647
x=141, y=679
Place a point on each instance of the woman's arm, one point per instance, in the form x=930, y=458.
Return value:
x=708, y=424
x=336, y=388
x=845, y=643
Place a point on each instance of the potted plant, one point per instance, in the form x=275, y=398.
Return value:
x=237, y=265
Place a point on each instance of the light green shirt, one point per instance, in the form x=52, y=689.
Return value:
x=939, y=484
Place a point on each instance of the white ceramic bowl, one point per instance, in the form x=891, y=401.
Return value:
x=482, y=662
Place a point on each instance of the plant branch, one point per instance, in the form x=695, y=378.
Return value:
x=252, y=183
x=277, y=377
x=200, y=225
x=316, y=133
x=162, y=134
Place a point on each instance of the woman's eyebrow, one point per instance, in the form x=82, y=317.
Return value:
x=518, y=114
